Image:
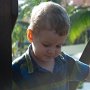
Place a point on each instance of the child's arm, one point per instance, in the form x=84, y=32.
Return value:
x=88, y=77
x=85, y=58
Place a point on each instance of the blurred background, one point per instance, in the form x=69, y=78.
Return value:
x=79, y=13
x=79, y=35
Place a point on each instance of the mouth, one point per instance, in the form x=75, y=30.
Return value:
x=50, y=57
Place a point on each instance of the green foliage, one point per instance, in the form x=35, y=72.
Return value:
x=80, y=22
x=19, y=32
x=26, y=7
x=23, y=15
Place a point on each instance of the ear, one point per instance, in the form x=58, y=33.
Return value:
x=29, y=35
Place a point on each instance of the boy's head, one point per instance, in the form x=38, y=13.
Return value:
x=49, y=16
x=48, y=30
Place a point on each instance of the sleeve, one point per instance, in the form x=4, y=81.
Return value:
x=16, y=73
x=80, y=71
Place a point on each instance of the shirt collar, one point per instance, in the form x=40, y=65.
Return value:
x=32, y=65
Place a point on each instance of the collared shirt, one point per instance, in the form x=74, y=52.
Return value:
x=42, y=79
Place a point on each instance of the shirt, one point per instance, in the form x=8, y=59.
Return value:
x=66, y=69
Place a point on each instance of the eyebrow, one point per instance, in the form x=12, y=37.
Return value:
x=46, y=42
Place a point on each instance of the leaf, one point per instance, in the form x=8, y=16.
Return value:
x=80, y=22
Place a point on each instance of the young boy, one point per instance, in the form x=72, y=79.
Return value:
x=43, y=66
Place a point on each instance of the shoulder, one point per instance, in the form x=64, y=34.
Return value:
x=75, y=61
x=19, y=68
x=21, y=59
x=67, y=58
x=18, y=65
x=75, y=67
x=18, y=61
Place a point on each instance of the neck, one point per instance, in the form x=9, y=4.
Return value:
x=48, y=65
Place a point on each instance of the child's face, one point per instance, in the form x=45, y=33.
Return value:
x=47, y=45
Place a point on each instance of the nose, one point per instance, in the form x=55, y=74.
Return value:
x=51, y=51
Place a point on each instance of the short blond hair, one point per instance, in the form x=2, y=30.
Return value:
x=49, y=16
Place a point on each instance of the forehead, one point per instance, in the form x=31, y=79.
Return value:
x=51, y=37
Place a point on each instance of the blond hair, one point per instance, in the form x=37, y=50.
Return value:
x=49, y=16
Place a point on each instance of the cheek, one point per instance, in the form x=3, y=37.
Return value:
x=40, y=52
x=41, y=49
x=58, y=52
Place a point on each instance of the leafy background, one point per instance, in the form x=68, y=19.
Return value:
x=80, y=24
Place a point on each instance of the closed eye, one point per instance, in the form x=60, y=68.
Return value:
x=58, y=46
x=46, y=45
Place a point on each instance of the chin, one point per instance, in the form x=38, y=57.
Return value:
x=49, y=59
